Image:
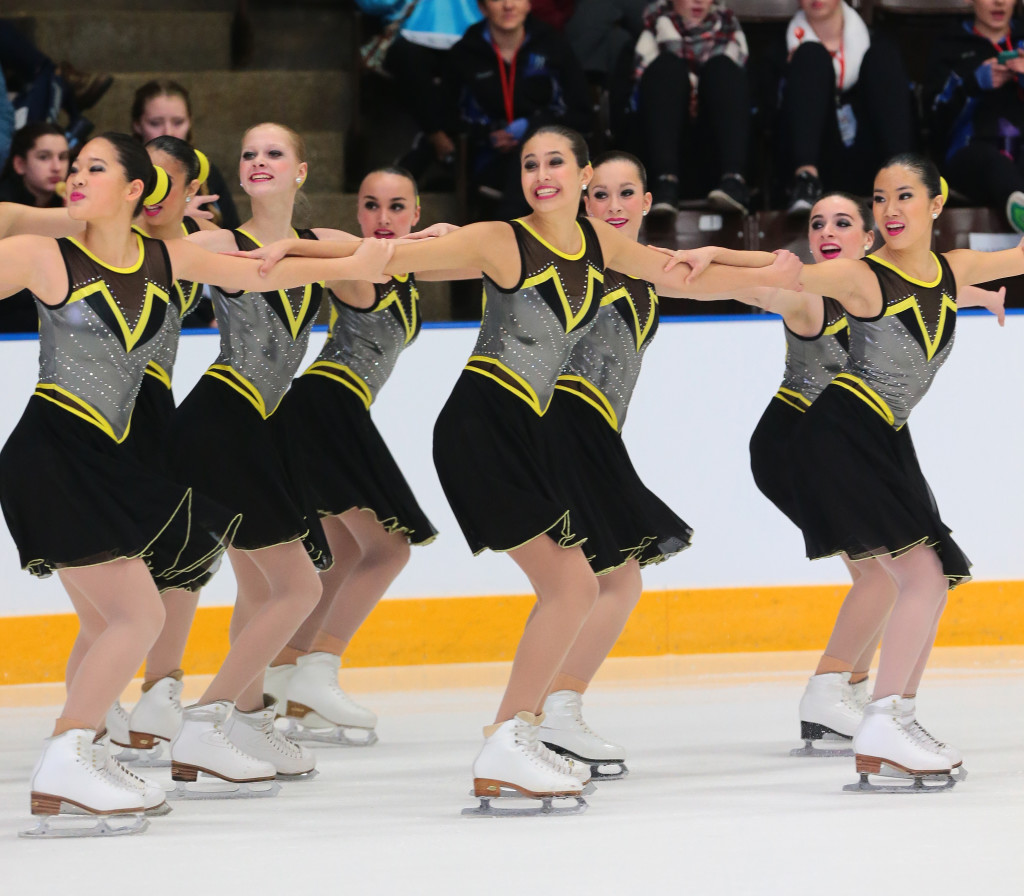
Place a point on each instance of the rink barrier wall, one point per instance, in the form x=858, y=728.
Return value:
x=409, y=632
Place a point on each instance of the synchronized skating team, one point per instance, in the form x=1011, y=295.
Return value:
x=317, y=520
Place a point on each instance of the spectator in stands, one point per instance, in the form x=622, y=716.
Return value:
x=164, y=107
x=36, y=166
x=416, y=60
x=512, y=73
x=974, y=97
x=692, y=97
x=845, y=103
x=601, y=30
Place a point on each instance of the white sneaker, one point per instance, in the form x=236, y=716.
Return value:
x=829, y=705
x=254, y=733
x=882, y=739
x=154, y=798
x=202, y=746
x=562, y=726
x=315, y=698
x=157, y=715
x=118, y=728
x=275, y=684
x=909, y=720
x=511, y=758
x=71, y=776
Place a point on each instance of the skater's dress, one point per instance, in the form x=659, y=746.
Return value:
x=624, y=520
x=74, y=492
x=490, y=441
x=226, y=436
x=327, y=411
x=811, y=364
x=854, y=442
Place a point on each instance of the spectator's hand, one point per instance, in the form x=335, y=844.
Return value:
x=1016, y=66
x=503, y=141
x=991, y=74
x=195, y=210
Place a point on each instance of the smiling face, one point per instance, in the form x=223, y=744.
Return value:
x=835, y=230
x=269, y=163
x=44, y=166
x=692, y=12
x=172, y=209
x=902, y=207
x=387, y=206
x=164, y=114
x=97, y=185
x=616, y=195
x=551, y=177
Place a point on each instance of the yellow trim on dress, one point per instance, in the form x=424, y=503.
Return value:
x=530, y=396
x=409, y=316
x=907, y=277
x=931, y=345
x=866, y=394
x=293, y=319
x=110, y=267
x=342, y=373
x=243, y=387
x=837, y=327
x=131, y=335
x=793, y=398
x=80, y=408
x=551, y=248
x=592, y=396
x=550, y=272
x=156, y=371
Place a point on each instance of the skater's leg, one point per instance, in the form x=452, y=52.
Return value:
x=860, y=620
x=346, y=553
x=122, y=592
x=911, y=628
x=166, y=654
x=915, y=677
x=618, y=593
x=266, y=615
x=90, y=626
x=566, y=591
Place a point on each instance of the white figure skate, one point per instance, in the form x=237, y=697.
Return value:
x=71, y=779
x=201, y=745
x=563, y=730
x=154, y=720
x=883, y=746
x=952, y=754
x=831, y=709
x=254, y=734
x=510, y=766
x=154, y=797
x=275, y=684
x=318, y=710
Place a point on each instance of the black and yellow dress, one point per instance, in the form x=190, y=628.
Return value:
x=811, y=364
x=226, y=436
x=490, y=441
x=327, y=411
x=624, y=519
x=155, y=404
x=73, y=491
x=861, y=490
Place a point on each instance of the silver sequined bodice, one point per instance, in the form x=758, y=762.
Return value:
x=527, y=333
x=605, y=364
x=263, y=339
x=894, y=358
x=363, y=344
x=813, y=362
x=94, y=347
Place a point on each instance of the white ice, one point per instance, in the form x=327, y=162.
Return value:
x=713, y=805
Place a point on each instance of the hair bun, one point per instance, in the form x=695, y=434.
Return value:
x=161, y=187
x=943, y=188
x=204, y=166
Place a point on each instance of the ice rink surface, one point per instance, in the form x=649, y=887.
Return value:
x=713, y=804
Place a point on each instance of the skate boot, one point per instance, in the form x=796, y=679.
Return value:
x=71, y=779
x=884, y=746
x=201, y=745
x=254, y=733
x=952, y=754
x=154, y=798
x=510, y=765
x=564, y=731
x=275, y=684
x=323, y=711
x=118, y=733
x=155, y=719
x=829, y=712
x=860, y=694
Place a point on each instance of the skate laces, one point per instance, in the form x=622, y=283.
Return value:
x=924, y=735
x=277, y=740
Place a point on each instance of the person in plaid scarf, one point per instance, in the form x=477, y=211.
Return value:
x=691, y=87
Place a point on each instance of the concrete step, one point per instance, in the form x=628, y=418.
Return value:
x=302, y=38
x=27, y=7
x=129, y=40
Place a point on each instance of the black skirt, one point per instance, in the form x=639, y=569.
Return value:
x=772, y=458
x=151, y=421
x=72, y=496
x=861, y=490
x=334, y=437
x=221, y=446
x=494, y=466
x=622, y=518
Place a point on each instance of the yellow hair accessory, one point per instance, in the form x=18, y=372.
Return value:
x=204, y=167
x=162, y=188
x=943, y=188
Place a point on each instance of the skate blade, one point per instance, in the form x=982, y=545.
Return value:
x=918, y=784
x=158, y=811
x=549, y=806
x=212, y=788
x=301, y=776
x=337, y=736
x=59, y=826
x=597, y=772
x=808, y=749
x=958, y=775
x=152, y=758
